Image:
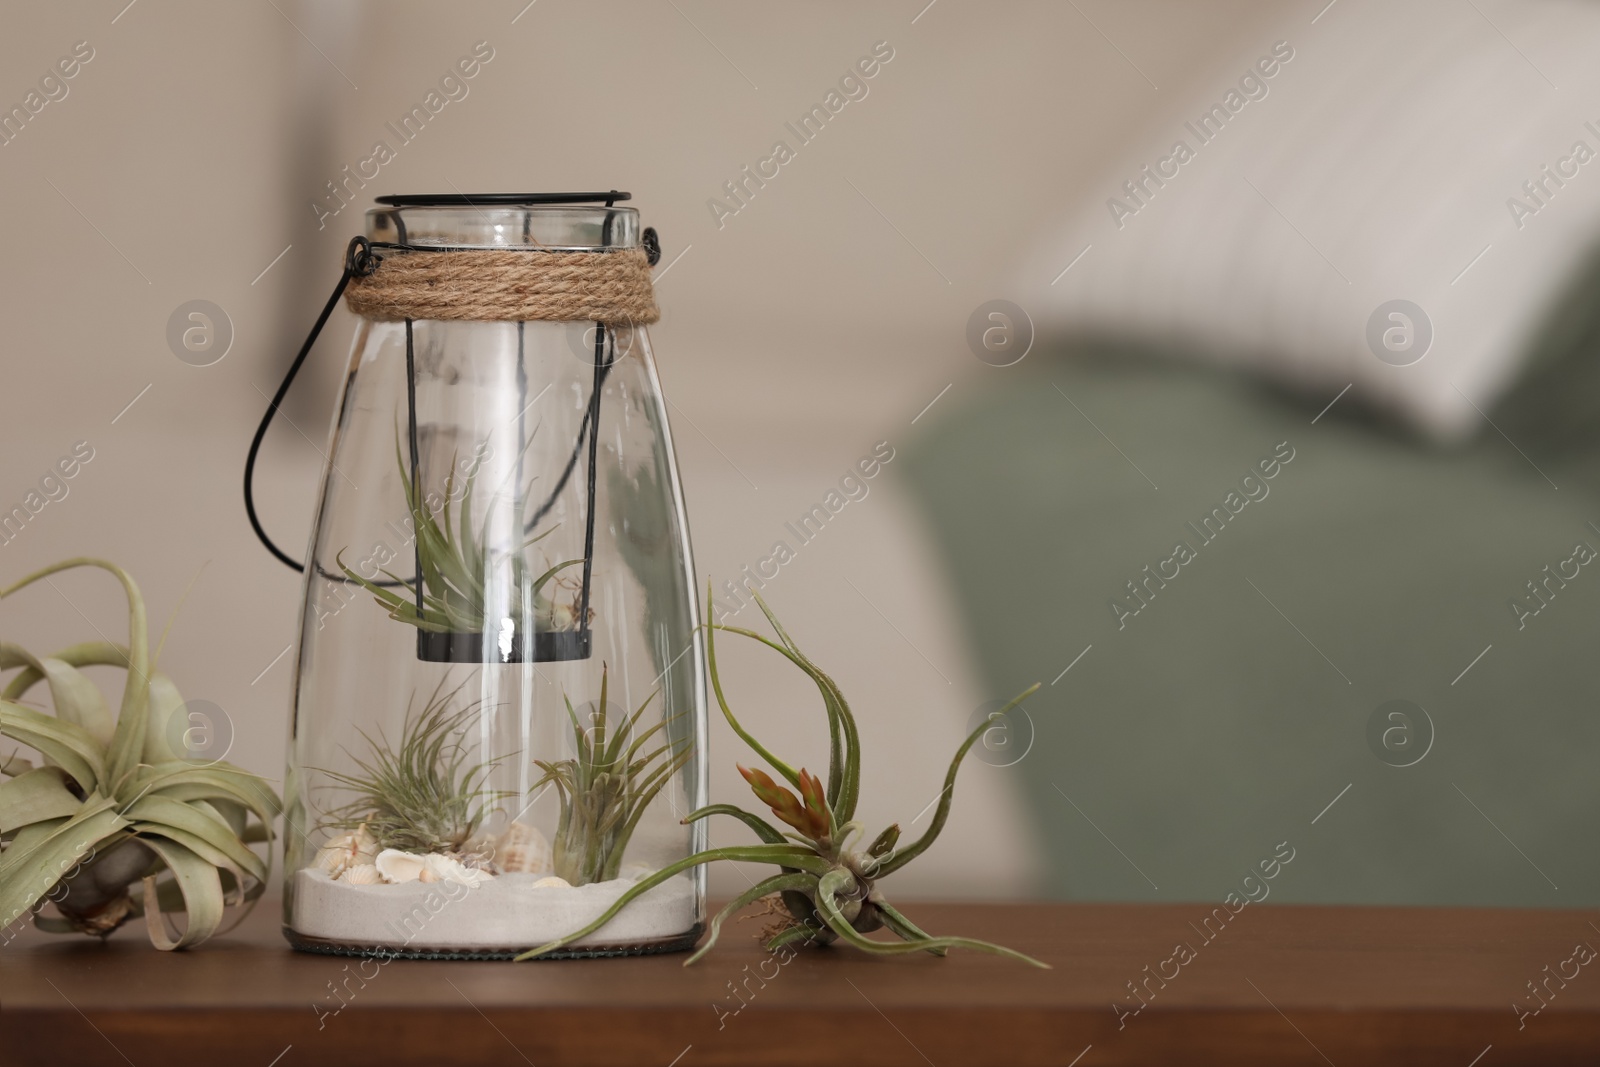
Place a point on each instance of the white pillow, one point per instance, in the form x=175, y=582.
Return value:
x=1383, y=159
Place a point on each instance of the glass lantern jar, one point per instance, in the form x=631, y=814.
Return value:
x=498, y=714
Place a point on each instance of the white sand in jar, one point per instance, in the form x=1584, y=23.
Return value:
x=504, y=912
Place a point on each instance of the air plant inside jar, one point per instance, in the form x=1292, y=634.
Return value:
x=606, y=787
x=828, y=887
x=417, y=806
x=456, y=562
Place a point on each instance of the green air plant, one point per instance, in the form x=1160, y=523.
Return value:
x=112, y=805
x=425, y=795
x=456, y=563
x=605, y=788
x=830, y=891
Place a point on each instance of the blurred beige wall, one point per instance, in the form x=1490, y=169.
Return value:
x=183, y=163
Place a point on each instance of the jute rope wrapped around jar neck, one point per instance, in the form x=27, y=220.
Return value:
x=497, y=285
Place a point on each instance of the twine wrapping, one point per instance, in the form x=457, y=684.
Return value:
x=496, y=285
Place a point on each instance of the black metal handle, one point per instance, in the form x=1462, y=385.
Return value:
x=359, y=261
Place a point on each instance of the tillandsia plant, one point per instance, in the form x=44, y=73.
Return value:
x=605, y=788
x=112, y=805
x=455, y=562
x=830, y=890
x=424, y=795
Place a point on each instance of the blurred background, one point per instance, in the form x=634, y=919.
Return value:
x=1366, y=271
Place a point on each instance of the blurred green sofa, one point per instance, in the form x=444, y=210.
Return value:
x=1223, y=718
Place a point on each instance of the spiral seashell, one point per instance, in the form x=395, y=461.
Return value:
x=397, y=866
x=552, y=882
x=362, y=874
x=522, y=848
x=331, y=859
x=438, y=867
x=345, y=851
x=365, y=846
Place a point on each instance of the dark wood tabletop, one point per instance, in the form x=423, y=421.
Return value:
x=1277, y=985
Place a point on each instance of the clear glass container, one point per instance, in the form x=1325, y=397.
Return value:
x=483, y=760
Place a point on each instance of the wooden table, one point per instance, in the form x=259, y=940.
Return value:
x=1279, y=985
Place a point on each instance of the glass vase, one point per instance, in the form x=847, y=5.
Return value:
x=499, y=701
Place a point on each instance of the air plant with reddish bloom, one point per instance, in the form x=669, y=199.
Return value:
x=829, y=889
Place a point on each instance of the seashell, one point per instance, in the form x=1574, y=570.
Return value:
x=522, y=848
x=468, y=875
x=331, y=859
x=397, y=866
x=437, y=867
x=362, y=874
x=477, y=851
x=345, y=851
x=365, y=846
x=552, y=881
